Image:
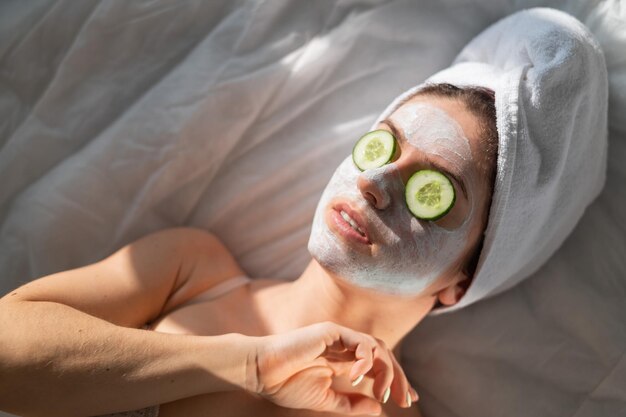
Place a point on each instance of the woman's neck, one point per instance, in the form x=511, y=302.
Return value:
x=319, y=296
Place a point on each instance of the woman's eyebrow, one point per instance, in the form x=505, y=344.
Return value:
x=398, y=134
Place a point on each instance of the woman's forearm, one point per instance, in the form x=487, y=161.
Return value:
x=56, y=360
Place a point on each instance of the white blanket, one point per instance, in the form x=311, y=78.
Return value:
x=122, y=118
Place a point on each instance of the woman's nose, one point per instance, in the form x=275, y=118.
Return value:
x=378, y=185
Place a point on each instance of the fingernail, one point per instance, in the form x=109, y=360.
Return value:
x=415, y=394
x=386, y=395
x=408, y=398
x=356, y=381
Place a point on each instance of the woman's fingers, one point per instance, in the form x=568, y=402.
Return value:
x=364, y=362
x=358, y=344
x=401, y=386
x=383, y=372
x=297, y=369
x=372, y=356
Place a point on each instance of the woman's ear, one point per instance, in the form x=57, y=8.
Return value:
x=451, y=294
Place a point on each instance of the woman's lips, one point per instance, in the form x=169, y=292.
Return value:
x=345, y=227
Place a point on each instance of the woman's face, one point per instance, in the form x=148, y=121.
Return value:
x=401, y=254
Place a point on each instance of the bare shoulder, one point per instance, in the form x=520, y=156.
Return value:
x=134, y=284
x=206, y=261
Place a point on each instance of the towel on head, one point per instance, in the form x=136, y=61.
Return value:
x=550, y=82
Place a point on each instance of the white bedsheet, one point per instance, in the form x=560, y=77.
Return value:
x=121, y=118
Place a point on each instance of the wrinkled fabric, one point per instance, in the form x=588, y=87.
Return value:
x=118, y=119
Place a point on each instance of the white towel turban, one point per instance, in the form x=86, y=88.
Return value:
x=551, y=89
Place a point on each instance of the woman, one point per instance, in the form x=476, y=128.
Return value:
x=379, y=272
x=322, y=293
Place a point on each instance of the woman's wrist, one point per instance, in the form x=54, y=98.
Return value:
x=228, y=362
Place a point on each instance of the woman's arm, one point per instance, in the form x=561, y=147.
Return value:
x=68, y=345
x=65, y=348
x=56, y=360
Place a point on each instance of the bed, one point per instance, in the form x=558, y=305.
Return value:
x=119, y=118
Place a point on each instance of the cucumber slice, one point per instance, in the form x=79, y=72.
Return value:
x=374, y=149
x=429, y=194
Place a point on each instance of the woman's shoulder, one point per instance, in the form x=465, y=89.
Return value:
x=206, y=262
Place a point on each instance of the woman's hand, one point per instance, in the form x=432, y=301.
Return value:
x=296, y=369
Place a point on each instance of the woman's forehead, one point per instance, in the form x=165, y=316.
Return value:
x=457, y=111
x=423, y=124
x=454, y=109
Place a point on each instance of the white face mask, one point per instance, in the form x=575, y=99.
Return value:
x=408, y=254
